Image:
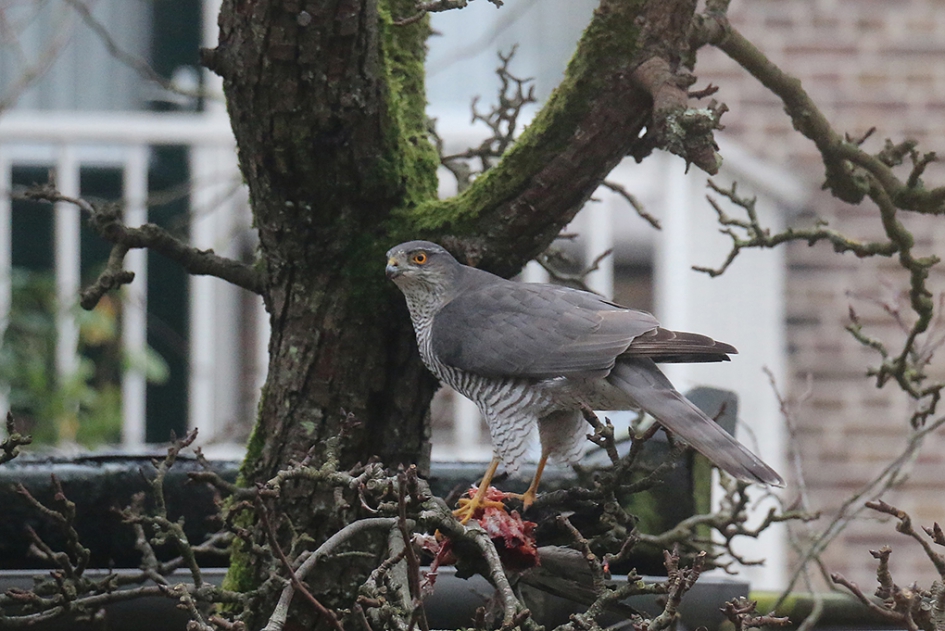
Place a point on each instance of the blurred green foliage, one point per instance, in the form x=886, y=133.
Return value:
x=83, y=407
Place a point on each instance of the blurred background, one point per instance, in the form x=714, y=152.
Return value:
x=108, y=96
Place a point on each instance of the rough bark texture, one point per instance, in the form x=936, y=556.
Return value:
x=329, y=150
x=327, y=105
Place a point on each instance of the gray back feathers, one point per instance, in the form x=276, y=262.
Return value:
x=533, y=353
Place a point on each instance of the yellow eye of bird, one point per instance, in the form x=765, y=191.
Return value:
x=419, y=258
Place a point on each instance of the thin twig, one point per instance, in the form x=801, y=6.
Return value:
x=851, y=507
x=631, y=199
x=413, y=563
x=10, y=446
x=280, y=614
x=139, y=65
x=323, y=611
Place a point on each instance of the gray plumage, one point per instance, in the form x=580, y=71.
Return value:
x=533, y=354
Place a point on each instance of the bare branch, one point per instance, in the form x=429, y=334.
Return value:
x=603, y=435
x=905, y=527
x=112, y=277
x=743, y=616
x=139, y=65
x=633, y=201
x=709, y=90
x=216, y=481
x=74, y=560
x=730, y=521
x=888, y=478
x=875, y=608
x=413, y=563
x=679, y=581
x=10, y=446
x=551, y=258
x=906, y=368
x=598, y=573
x=68, y=590
x=838, y=154
x=760, y=237
x=55, y=608
x=280, y=614
x=852, y=175
x=912, y=607
x=440, y=517
x=325, y=613
x=35, y=71
x=107, y=223
x=501, y=119
x=166, y=530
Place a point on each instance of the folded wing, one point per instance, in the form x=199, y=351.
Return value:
x=511, y=329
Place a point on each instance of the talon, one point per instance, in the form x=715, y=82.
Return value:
x=469, y=506
x=484, y=503
x=528, y=497
x=463, y=514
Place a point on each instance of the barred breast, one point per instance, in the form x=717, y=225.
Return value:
x=508, y=405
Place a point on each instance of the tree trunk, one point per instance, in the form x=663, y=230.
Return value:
x=329, y=149
x=327, y=105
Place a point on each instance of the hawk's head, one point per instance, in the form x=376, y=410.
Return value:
x=416, y=264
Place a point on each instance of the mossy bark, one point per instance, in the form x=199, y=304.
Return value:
x=594, y=118
x=327, y=104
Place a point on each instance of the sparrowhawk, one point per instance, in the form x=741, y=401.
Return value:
x=535, y=354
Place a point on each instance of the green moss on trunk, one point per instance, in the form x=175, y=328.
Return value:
x=332, y=135
x=608, y=46
x=403, y=54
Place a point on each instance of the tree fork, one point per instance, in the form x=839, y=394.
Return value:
x=592, y=120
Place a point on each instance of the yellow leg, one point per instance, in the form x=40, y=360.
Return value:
x=528, y=497
x=467, y=507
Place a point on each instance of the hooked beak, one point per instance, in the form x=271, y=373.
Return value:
x=393, y=268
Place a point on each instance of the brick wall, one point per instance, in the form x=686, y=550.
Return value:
x=866, y=63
